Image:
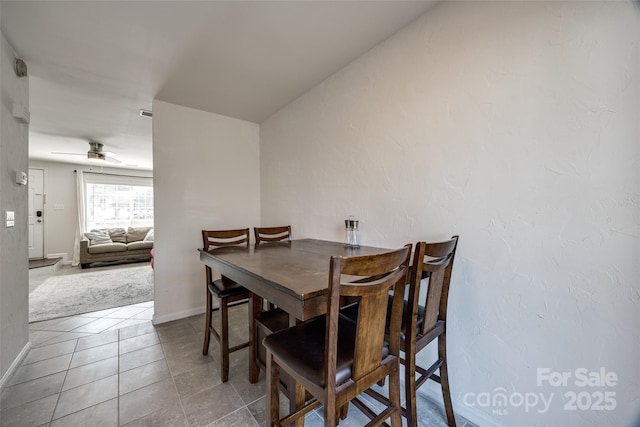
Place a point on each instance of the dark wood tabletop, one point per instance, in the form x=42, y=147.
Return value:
x=292, y=275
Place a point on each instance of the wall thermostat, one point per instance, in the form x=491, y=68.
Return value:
x=21, y=178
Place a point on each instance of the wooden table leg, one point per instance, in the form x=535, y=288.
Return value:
x=255, y=303
x=296, y=393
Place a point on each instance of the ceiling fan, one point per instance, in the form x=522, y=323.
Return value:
x=96, y=153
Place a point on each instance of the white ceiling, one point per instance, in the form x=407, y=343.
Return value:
x=94, y=64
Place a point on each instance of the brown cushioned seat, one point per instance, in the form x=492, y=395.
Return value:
x=225, y=287
x=303, y=348
x=273, y=320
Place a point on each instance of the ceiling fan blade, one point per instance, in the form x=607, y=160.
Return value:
x=112, y=160
x=95, y=153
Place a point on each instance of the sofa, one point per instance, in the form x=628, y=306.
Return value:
x=116, y=244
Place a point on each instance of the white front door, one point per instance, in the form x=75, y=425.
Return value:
x=36, y=213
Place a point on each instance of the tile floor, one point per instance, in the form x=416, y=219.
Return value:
x=114, y=368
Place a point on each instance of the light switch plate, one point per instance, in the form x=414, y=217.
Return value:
x=10, y=217
x=21, y=113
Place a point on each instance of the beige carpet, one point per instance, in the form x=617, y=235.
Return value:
x=68, y=295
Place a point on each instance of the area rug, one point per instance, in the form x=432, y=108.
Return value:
x=72, y=294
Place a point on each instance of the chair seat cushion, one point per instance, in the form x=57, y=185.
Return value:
x=106, y=248
x=405, y=307
x=302, y=347
x=273, y=320
x=134, y=246
x=225, y=287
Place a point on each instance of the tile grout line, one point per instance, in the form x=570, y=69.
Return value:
x=53, y=413
x=66, y=372
x=164, y=346
x=49, y=337
x=246, y=406
x=173, y=381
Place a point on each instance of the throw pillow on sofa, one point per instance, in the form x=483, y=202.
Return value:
x=118, y=235
x=149, y=237
x=136, y=234
x=98, y=237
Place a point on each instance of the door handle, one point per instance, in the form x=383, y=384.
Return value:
x=39, y=220
x=38, y=214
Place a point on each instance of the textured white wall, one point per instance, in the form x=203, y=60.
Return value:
x=515, y=125
x=14, y=279
x=206, y=176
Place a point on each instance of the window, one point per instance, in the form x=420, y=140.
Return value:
x=118, y=201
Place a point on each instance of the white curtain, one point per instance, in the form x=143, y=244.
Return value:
x=80, y=229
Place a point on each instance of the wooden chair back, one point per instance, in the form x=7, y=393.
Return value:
x=272, y=234
x=351, y=350
x=435, y=262
x=212, y=239
x=368, y=279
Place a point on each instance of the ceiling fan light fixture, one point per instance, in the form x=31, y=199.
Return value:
x=95, y=156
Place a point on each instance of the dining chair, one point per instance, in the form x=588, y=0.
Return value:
x=269, y=319
x=335, y=358
x=425, y=320
x=272, y=234
x=227, y=292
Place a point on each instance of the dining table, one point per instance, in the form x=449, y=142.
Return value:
x=292, y=275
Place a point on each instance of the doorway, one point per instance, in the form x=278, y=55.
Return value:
x=35, y=222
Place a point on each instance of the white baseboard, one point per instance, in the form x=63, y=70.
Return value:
x=157, y=320
x=63, y=255
x=17, y=361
